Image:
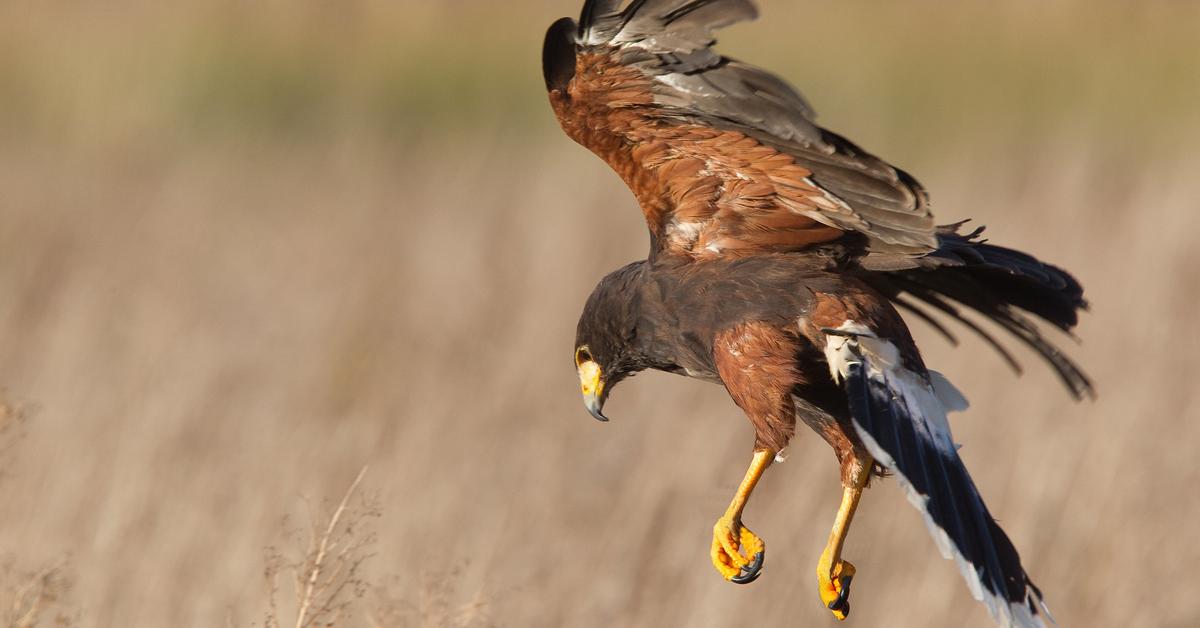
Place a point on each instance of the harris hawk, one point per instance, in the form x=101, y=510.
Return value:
x=781, y=254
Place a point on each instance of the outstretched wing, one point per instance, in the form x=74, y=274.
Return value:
x=723, y=157
x=900, y=415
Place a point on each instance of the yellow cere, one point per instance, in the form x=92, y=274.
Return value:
x=589, y=378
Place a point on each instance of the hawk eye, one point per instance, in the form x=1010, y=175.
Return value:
x=582, y=355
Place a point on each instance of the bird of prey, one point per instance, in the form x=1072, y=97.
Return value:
x=781, y=254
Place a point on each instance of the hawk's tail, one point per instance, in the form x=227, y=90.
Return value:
x=900, y=416
x=998, y=283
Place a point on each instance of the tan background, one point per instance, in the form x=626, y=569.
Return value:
x=245, y=251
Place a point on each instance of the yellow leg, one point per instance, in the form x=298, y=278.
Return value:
x=737, y=553
x=833, y=573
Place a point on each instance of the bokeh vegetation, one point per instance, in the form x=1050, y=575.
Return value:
x=1122, y=70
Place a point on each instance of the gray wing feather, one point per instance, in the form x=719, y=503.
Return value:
x=681, y=27
x=600, y=20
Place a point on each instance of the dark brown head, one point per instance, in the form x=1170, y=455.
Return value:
x=606, y=340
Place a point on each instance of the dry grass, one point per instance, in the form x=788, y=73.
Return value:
x=437, y=602
x=325, y=565
x=238, y=263
x=38, y=598
x=327, y=568
x=13, y=419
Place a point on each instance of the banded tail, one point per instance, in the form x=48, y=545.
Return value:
x=900, y=415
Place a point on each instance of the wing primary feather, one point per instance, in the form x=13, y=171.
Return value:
x=630, y=12
x=682, y=11
x=915, y=310
x=595, y=11
x=1001, y=284
x=1076, y=381
x=940, y=304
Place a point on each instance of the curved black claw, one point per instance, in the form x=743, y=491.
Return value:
x=750, y=572
x=842, y=603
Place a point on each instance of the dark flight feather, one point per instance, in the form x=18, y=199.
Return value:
x=558, y=54
x=996, y=282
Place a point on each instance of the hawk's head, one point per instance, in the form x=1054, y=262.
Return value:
x=606, y=347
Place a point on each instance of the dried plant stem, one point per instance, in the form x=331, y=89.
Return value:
x=31, y=598
x=314, y=573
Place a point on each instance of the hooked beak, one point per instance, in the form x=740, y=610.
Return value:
x=593, y=389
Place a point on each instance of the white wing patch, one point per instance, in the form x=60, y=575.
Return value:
x=950, y=396
x=881, y=360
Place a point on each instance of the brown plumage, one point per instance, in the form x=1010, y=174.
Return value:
x=779, y=253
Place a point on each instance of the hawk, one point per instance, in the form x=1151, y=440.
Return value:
x=780, y=257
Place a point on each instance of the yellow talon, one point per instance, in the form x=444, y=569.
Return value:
x=737, y=553
x=834, y=587
x=833, y=573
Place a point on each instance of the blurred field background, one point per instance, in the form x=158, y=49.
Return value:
x=248, y=249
